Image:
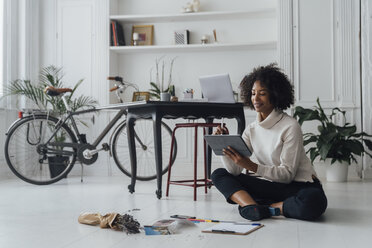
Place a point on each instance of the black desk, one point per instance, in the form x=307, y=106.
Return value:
x=156, y=110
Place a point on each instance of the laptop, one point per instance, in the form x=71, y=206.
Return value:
x=217, y=88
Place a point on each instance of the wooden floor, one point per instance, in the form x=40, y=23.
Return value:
x=46, y=216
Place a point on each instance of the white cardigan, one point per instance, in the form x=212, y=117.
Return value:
x=277, y=145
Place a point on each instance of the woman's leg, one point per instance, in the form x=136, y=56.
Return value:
x=245, y=190
x=234, y=188
x=308, y=204
x=242, y=198
x=305, y=201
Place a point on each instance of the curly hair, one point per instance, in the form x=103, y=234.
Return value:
x=281, y=93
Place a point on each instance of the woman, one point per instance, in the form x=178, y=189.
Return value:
x=287, y=180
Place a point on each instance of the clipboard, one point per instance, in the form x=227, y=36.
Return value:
x=233, y=228
x=220, y=142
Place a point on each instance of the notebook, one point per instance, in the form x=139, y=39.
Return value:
x=217, y=88
x=233, y=228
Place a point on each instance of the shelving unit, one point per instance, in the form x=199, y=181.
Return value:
x=194, y=47
x=246, y=35
x=196, y=16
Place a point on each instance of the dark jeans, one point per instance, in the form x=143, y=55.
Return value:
x=301, y=200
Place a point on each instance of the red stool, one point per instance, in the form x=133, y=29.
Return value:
x=192, y=183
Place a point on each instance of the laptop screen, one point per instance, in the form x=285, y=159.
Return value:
x=217, y=88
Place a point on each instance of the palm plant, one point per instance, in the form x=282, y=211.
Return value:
x=338, y=143
x=49, y=76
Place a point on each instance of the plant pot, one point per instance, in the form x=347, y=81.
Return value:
x=165, y=96
x=337, y=172
x=57, y=164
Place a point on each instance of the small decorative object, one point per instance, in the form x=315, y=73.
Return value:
x=158, y=86
x=181, y=37
x=195, y=5
x=188, y=94
x=124, y=223
x=141, y=96
x=145, y=35
x=189, y=8
x=204, y=39
x=334, y=143
x=174, y=99
x=135, y=39
x=215, y=35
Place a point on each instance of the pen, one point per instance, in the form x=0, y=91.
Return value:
x=203, y=220
x=221, y=221
x=223, y=231
x=198, y=220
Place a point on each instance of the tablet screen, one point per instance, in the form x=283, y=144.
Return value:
x=220, y=142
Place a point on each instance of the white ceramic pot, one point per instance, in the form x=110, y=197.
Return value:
x=337, y=172
x=165, y=96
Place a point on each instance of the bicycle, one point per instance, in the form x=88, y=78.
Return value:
x=42, y=149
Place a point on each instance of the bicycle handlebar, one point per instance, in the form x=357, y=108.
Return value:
x=117, y=79
x=114, y=88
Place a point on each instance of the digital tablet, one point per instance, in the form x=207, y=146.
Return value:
x=219, y=142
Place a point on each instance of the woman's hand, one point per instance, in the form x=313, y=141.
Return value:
x=240, y=160
x=221, y=130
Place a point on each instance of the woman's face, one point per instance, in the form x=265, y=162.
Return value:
x=260, y=99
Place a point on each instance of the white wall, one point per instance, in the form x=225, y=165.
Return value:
x=326, y=59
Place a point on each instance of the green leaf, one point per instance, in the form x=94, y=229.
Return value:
x=323, y=149
x=347, y=131
x=322, y=115
x=368, y=143
x=329, y=137
x=313, y=154
x=335, y=111
x=303, y=114
x=310, y=140
x=353, y=146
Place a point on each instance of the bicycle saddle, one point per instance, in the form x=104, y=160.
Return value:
x=51, y=91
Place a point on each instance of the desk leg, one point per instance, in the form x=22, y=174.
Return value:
x=158, y=153
x=132, y=151
x=209, y=150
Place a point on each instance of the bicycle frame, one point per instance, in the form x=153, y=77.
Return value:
x=75, y=129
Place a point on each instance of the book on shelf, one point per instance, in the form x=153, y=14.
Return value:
x=116, y=34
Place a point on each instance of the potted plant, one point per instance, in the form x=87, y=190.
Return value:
x=339, y=144
x=34, y=92
x=158, y=89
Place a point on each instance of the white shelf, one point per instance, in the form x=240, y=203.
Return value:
x=196, y=16
x=194, y=47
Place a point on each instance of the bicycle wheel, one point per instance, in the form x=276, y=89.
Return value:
x=23, y=153
x=145, y=149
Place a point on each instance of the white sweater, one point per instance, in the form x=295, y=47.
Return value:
x=277, y=145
